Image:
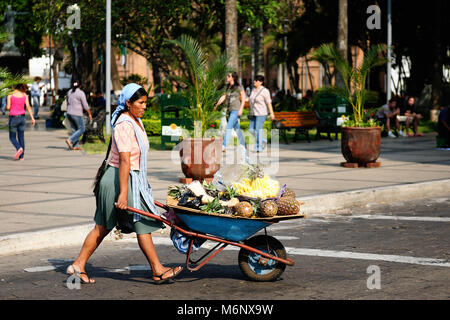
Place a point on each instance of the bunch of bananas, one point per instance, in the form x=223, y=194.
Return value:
x=258, y=188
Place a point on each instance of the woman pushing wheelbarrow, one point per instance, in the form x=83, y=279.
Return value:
x=123, y=180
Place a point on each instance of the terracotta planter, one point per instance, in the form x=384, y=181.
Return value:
x=201, y=157
x=361, y=146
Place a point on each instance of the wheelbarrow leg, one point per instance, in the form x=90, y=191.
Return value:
x=188, y=255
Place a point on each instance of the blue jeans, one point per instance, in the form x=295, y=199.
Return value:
x=233, y=123
x=36, y=105
x=77, y=124
x=255, y=128
x=3, y=104
x=17, y=131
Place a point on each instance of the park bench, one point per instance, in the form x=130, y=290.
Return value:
x=95, y=127
x=329, y=108
x=301, y=121
x=172, y=117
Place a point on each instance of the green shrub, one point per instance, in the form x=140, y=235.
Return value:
x=152, y=127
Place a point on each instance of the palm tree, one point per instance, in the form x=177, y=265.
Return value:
x=231, y=34
x=342, y=40
x=354, y=89
x=342, y=35
x=204, y=85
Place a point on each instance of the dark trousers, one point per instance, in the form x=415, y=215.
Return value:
x=444, y=133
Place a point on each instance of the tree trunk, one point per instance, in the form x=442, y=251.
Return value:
x=231, y=34
x=157, y=83
x=437, y=56
x=342, y=40
x=114, y=72
x=258, y=35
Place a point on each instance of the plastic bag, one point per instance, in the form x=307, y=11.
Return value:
x=249, y=181
x=181, y=242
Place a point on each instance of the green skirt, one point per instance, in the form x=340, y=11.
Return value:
x=108, y=192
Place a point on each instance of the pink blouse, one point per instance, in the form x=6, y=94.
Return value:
x=17, y=105
x=125, y=139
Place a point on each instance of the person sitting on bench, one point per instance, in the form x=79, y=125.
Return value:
x=413, y=116
x=387, y=115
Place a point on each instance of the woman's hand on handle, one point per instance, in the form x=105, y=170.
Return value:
x=122, y=201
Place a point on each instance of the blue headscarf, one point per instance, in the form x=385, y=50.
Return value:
x=127, y=93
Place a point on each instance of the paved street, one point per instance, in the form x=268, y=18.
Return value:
x=407, y=241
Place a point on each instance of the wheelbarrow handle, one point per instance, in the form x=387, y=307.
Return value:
x=161, y=205
x=149, y=214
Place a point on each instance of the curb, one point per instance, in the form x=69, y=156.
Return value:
x=330, y=203
x=314, y=206
x=57, y=238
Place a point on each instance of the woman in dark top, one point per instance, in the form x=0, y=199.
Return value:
x=234, y=99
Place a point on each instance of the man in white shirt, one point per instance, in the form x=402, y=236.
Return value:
x=387, y=114
x=36, y=95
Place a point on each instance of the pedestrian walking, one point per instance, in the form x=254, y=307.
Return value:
x=3, y=104
x=124, y=181
x=16, y=103
x=76, y=102
x=260, y=107
x=36, y=95
x=234, y=99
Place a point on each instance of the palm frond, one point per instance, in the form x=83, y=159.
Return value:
x=8, y=81
x=202, y=89
x=354, y=79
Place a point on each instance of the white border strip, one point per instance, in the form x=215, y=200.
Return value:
x=329, y=203
x=369, y=256
x=384, y=217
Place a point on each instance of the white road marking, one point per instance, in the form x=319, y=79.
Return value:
x=286, y=238
x=405, y=218
x=143, y=267
x=369, y=256
x=41, y=268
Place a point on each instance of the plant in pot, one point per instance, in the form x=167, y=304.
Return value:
x=361, y=136
x=203, y=86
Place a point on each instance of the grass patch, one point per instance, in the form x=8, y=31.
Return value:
x=95, y=146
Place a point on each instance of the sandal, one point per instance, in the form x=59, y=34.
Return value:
x=163, y=280
x=69, y=144
x=78, y=273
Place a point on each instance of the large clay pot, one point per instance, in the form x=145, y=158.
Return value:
x=361, y=145
x=200, y=157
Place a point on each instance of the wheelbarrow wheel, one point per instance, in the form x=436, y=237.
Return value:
x=257, y=268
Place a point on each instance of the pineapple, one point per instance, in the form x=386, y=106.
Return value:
x=268, y=208
x=288, y=206
x=288, y=193
x=244, y=209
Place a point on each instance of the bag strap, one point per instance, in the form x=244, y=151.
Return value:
x=101, y=170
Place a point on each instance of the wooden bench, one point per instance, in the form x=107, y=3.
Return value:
x=301, y=121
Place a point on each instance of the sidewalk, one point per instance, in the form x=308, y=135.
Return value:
x=51, y=189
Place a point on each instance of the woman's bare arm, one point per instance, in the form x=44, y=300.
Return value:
x=8, y=102
x=241, y=109
x=27, y=103
x=124, y=173
x=221, y=100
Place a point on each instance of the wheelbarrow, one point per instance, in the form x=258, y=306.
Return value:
x=261, y=257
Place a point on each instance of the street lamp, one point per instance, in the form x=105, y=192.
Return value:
x=108, y=66
x=389, y=53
